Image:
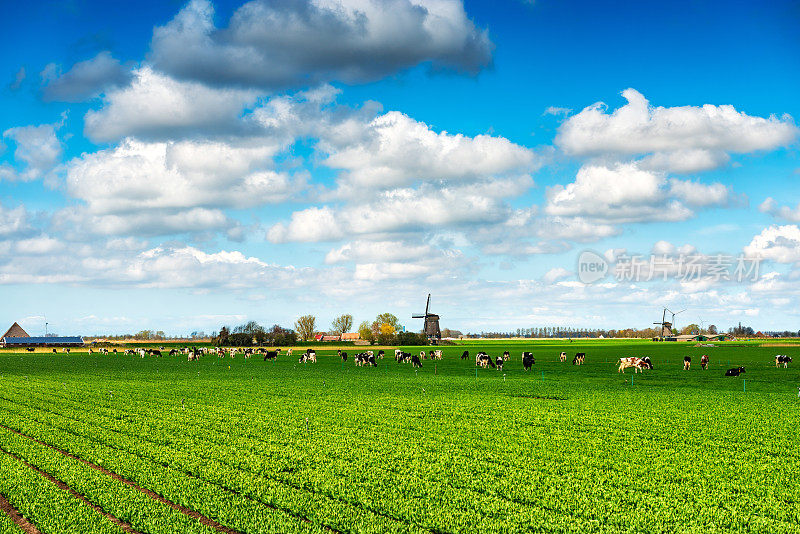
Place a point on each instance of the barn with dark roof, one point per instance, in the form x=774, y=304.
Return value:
x=16, y=336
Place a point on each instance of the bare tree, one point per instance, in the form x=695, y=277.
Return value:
x=305, y=327
x=342, y=324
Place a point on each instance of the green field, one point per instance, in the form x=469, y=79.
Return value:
x=93, y=443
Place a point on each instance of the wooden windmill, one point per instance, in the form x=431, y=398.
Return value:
x=431, y=329
x=666, y=326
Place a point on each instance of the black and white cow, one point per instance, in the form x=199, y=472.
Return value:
x=271, y=354
x=381, y=354
x=579, y=358
x=782, y=359
x=687, y=363
x=735, y=371
x=499, y=362
x=342, y=355
x=415, y=361
x=484, y=360
x=528, y=360
x=645, y=363
x=507, y=356
x=310, y=355
x=465, y=355
x=562, y=357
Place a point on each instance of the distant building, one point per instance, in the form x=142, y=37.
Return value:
x=351, y=336
x=17, y=337
x=15, y=331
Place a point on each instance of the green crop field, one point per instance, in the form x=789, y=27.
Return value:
x=95, y=443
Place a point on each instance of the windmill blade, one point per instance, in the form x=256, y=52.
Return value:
x=428, y=305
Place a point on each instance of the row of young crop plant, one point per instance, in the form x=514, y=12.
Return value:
x=451, y=479
x=50, y=508
x=228, y=508
x=93, y=439
x=8, y=526
x=351, y=469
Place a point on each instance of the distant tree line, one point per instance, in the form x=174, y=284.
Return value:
x=252, y=333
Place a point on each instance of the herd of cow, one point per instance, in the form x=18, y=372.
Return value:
x=369, y=358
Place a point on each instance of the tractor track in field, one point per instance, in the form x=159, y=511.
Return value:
x=31, y=529
x=18, y=519
x=205, y=520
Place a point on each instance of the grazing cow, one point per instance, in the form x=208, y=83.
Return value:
x=625, y=363
x=465, y=355
x=423, y=355
x=484, y=360
x=397, y=354
x=310, y=355
x=436, y=355
x=704, y=361
x=527, y=360
x=734, y=372
x=687, y=362
x=31, y=349
x=645, y=363
x=563, y=357
x=783, y=359
x=381, y=354
x=193, y=357
x=365, y=358
x=507, y=356
x=342, y=355
x=271, y=354
x=499, y=363
x=579, y=358
x=415, y=361
x=405, y=357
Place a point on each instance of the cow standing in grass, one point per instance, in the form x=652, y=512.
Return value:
x=704, y=362
x=735, y=371
x=271, y=354
x=687, y=363
x=625, y=363
x=465, y=355
x=579, y=358
x=527, y=360
x=499, y=363
x=415, y=361
x=563, y=357
x=783, y=359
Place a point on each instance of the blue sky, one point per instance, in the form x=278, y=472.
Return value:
x=180, y=166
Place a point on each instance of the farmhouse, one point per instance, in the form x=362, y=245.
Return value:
x=351, y=336
x=16, y=336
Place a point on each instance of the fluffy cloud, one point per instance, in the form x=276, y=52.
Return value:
x=139, y=175
x=155, y=106
x=38, y=148
x=85, y=79
x=405, y=209
x=385, y=260
x=776, y=243
x=626, y=193
x=48, y=260
x=14, y=222
x=381, y=157
x=161, y=188
x=681, y=139
x=295, y=43
x=787, y=213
